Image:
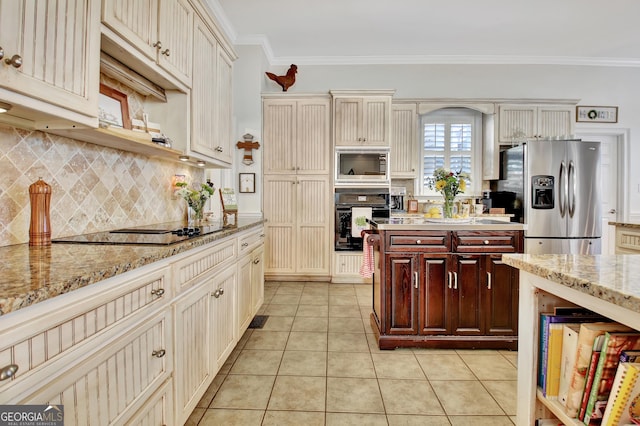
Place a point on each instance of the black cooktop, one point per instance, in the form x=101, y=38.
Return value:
x=157, y=235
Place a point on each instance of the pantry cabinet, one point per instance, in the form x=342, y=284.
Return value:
x=362, y=118
x=447, y=289
x=162, y=30
x=404, y=143
x=527, y=122
x=53, y=53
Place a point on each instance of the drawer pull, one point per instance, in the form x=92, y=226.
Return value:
x=157, y=45
x=261, y=235
x=159, y=354
x=486, y=242
x=455, y=280
x=165, y=52
x=8, y=371
x=488, y=280
x=15, y=61
x=255, y=262
x=449, y=278
x=1, y=53
x=245, y=244
x=415, y=279
x=157, y=292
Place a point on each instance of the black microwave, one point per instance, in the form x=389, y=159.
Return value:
x=362, y=166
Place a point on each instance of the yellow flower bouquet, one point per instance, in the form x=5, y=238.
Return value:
x=449, y=184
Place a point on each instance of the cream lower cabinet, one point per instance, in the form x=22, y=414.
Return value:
x=54, y=52
x=250, y=294
x=298, y=218
x=346, y=267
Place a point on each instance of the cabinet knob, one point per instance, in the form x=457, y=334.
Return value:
x=15, y=61
x=219, y=148
x=157, y=45
x=157, y=292
x=245, y=244
x=1, y=53
x=8, y=371
x=165, y=52
x=255, y=262
x=216, y=293
x=159, y=354
x=486, y=242
x=221, y=291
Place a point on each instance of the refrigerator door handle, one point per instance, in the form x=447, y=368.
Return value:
x=571, y=184
x=563, y=188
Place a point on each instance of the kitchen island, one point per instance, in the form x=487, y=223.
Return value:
x=442, y=284
x=608, y=285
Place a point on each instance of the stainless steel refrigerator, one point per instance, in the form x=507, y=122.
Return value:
x=557, y=186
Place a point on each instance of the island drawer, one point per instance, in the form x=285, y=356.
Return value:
x=487, y=242
x=421, y=241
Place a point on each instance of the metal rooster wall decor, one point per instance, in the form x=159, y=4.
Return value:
x=285, y=81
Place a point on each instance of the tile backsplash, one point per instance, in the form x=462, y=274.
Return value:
x=94, y=188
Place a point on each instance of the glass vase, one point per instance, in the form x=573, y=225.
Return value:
x=196, y=214
x=447, y=207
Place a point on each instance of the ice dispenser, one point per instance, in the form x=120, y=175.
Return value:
x=542, y=192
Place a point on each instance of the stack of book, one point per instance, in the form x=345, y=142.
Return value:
x=587, y=364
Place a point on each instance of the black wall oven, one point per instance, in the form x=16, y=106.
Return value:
x=348, y=198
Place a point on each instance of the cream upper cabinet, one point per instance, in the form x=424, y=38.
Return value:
x=296, y=135
x=519, y=122
x=362, y=119
x=404, y=142
x=210, y=97
x=298, y=216
x=53, y=50
x=161, y=29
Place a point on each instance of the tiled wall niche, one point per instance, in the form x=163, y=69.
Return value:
x=94, y=188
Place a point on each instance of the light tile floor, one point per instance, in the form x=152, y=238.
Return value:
x=315, y=362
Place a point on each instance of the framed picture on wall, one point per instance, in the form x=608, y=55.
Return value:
x=596, y=114
x=247, y=182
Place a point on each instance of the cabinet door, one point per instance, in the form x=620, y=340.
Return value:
x=376, y=117
x=203, y=93
x=434, y=295
x=223, y=107
x=279, y=206
x=134, y=20
x=467, y=295
x=404, y=144
x=313, y=216
x=517, y=121
x=348, y=122
x=175, y=33
x=223, y=314
x=157, y=410
x=58, y=43
x=257, y=279
x=501, y=304
x=279, y=136
x=243, y=295
x=402, y=289
x=313, y=138
x=195, y=361
x=555, y=121
x=113, y=381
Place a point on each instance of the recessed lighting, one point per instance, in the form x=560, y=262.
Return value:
x=183, y=158
x=4, y=107
x=201, y=163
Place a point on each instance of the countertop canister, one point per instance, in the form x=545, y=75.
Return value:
x=40, y=225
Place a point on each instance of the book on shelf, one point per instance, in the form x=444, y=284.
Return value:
x=596, y=353
x=548, y=422
x=630, y=356
x=554, y=359
x=613, y=346
x=586, y=337
x=624, y=391
x=572, y=315
x=569, y=348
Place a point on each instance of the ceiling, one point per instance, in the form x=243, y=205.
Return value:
x=582, y=32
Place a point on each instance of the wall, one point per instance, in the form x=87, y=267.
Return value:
x=600, y=86
x=93, y=188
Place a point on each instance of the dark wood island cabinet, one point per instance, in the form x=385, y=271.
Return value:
x=445, y=286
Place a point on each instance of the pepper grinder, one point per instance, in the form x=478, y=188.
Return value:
x=40, y=226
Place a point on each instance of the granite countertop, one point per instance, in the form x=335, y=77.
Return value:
x=613, y=278
x=29, y=275
x=422, y=224
x=626, y=225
